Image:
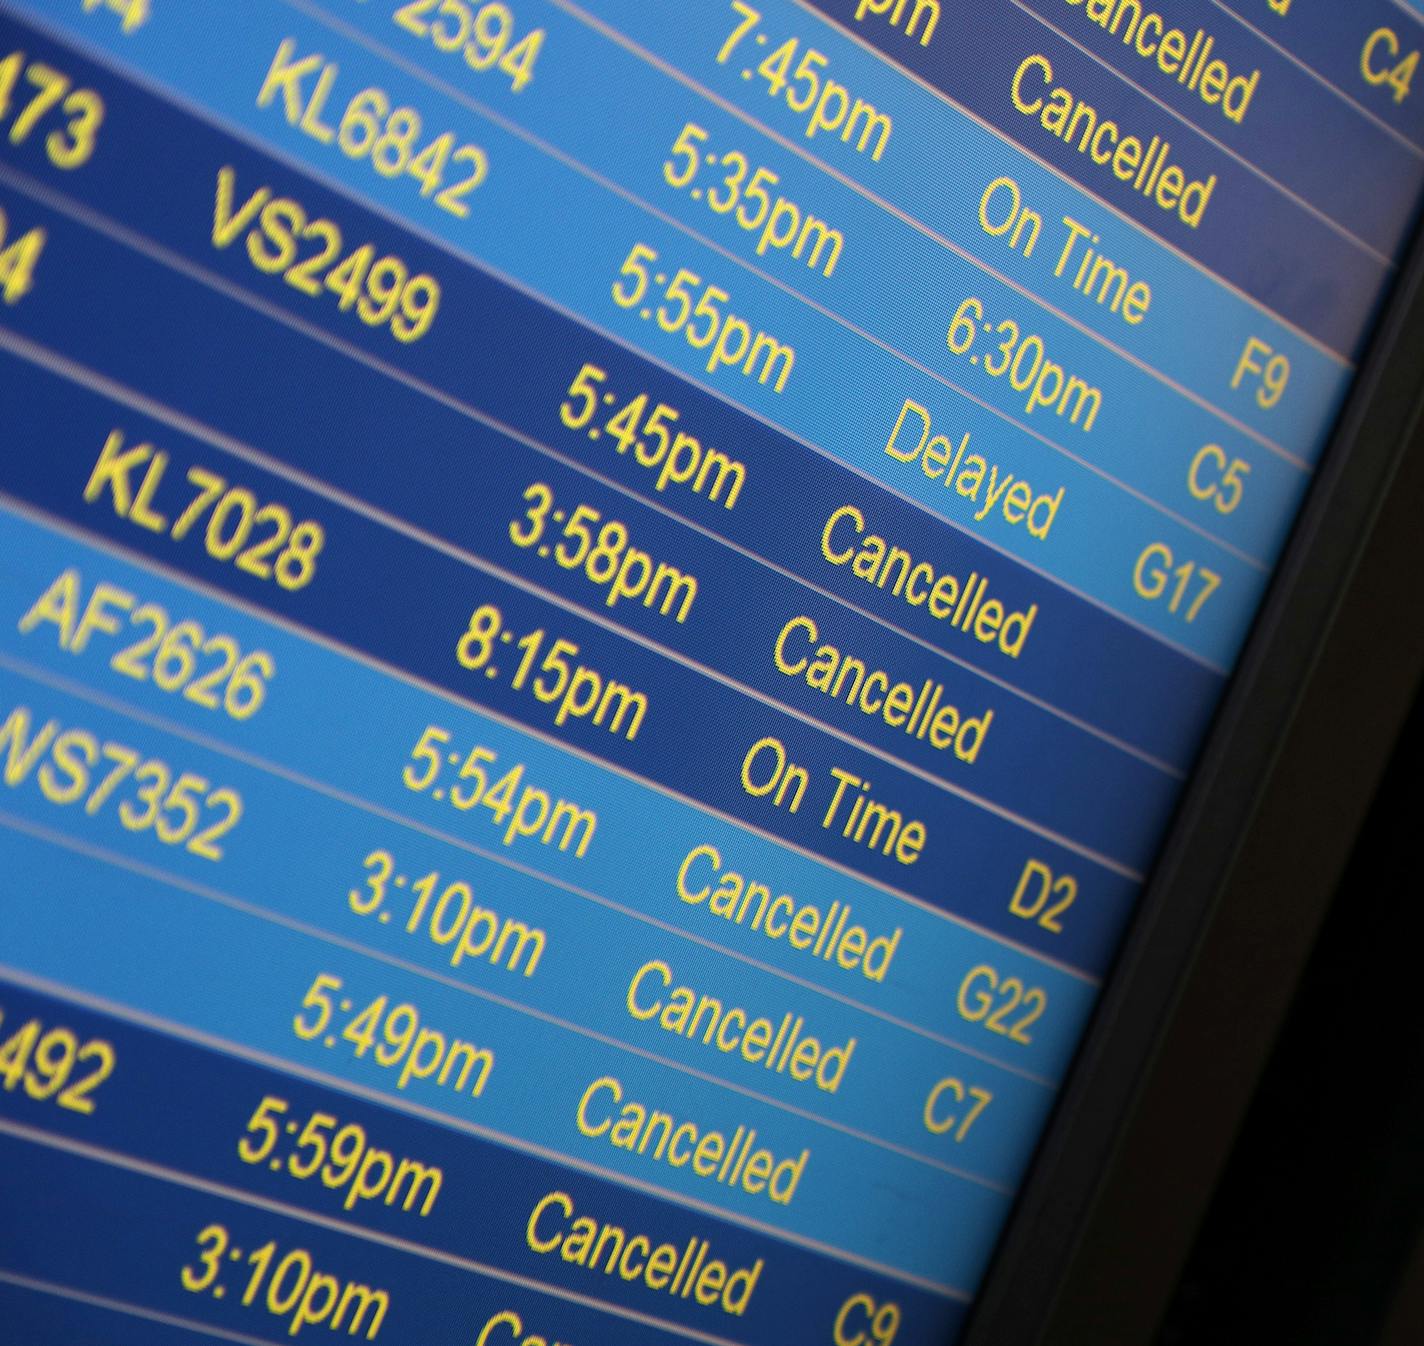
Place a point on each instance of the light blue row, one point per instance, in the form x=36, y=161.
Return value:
x=299, y=858
x=302, y=854
x=641, y=843
x=844, y=393
x=894, y=280
x=108, y=932
x=938, y=173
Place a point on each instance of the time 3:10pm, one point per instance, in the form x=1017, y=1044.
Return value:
x=288, y=1287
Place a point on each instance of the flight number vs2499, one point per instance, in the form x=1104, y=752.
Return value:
x=380, y=291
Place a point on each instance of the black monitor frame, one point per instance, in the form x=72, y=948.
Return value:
x=1122, y=1179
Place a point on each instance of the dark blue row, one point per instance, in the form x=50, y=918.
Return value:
x=1250, y=234
x=380, y=592
x=112, y=1232
x=1331, y=40
x=41, y=1318
x=515, y=359
x=1296, y=132
x=184, y=1107
x=467, y=484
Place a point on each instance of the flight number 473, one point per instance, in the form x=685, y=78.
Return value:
x=26, y=103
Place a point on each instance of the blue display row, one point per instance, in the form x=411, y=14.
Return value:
x=620, y=284
x=1220, y=213
x=614, y=842
x=1251, y=97
x=381, y=880
x=1368, y=50
x=680, y=875
x=306, y=1002
x=782, y=640
x=484, y=640
x=400, y=1175
x=45, y=1315
x=720, y=469
x=237, y=1267
x=691, y=158
x=696, y=602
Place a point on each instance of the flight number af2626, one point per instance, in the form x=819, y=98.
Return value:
x=178, y=656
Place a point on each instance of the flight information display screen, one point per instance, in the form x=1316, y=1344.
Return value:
x=604, y=606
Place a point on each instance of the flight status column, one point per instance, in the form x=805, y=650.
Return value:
x=602, y=615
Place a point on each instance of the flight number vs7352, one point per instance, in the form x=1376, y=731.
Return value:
x=73, y=766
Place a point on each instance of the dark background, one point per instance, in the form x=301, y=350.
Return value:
x=1315, y=1233
x=1239, y=1155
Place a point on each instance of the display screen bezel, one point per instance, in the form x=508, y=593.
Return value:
x=1119, y=1126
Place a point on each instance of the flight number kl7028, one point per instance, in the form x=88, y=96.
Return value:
x=261, y=540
